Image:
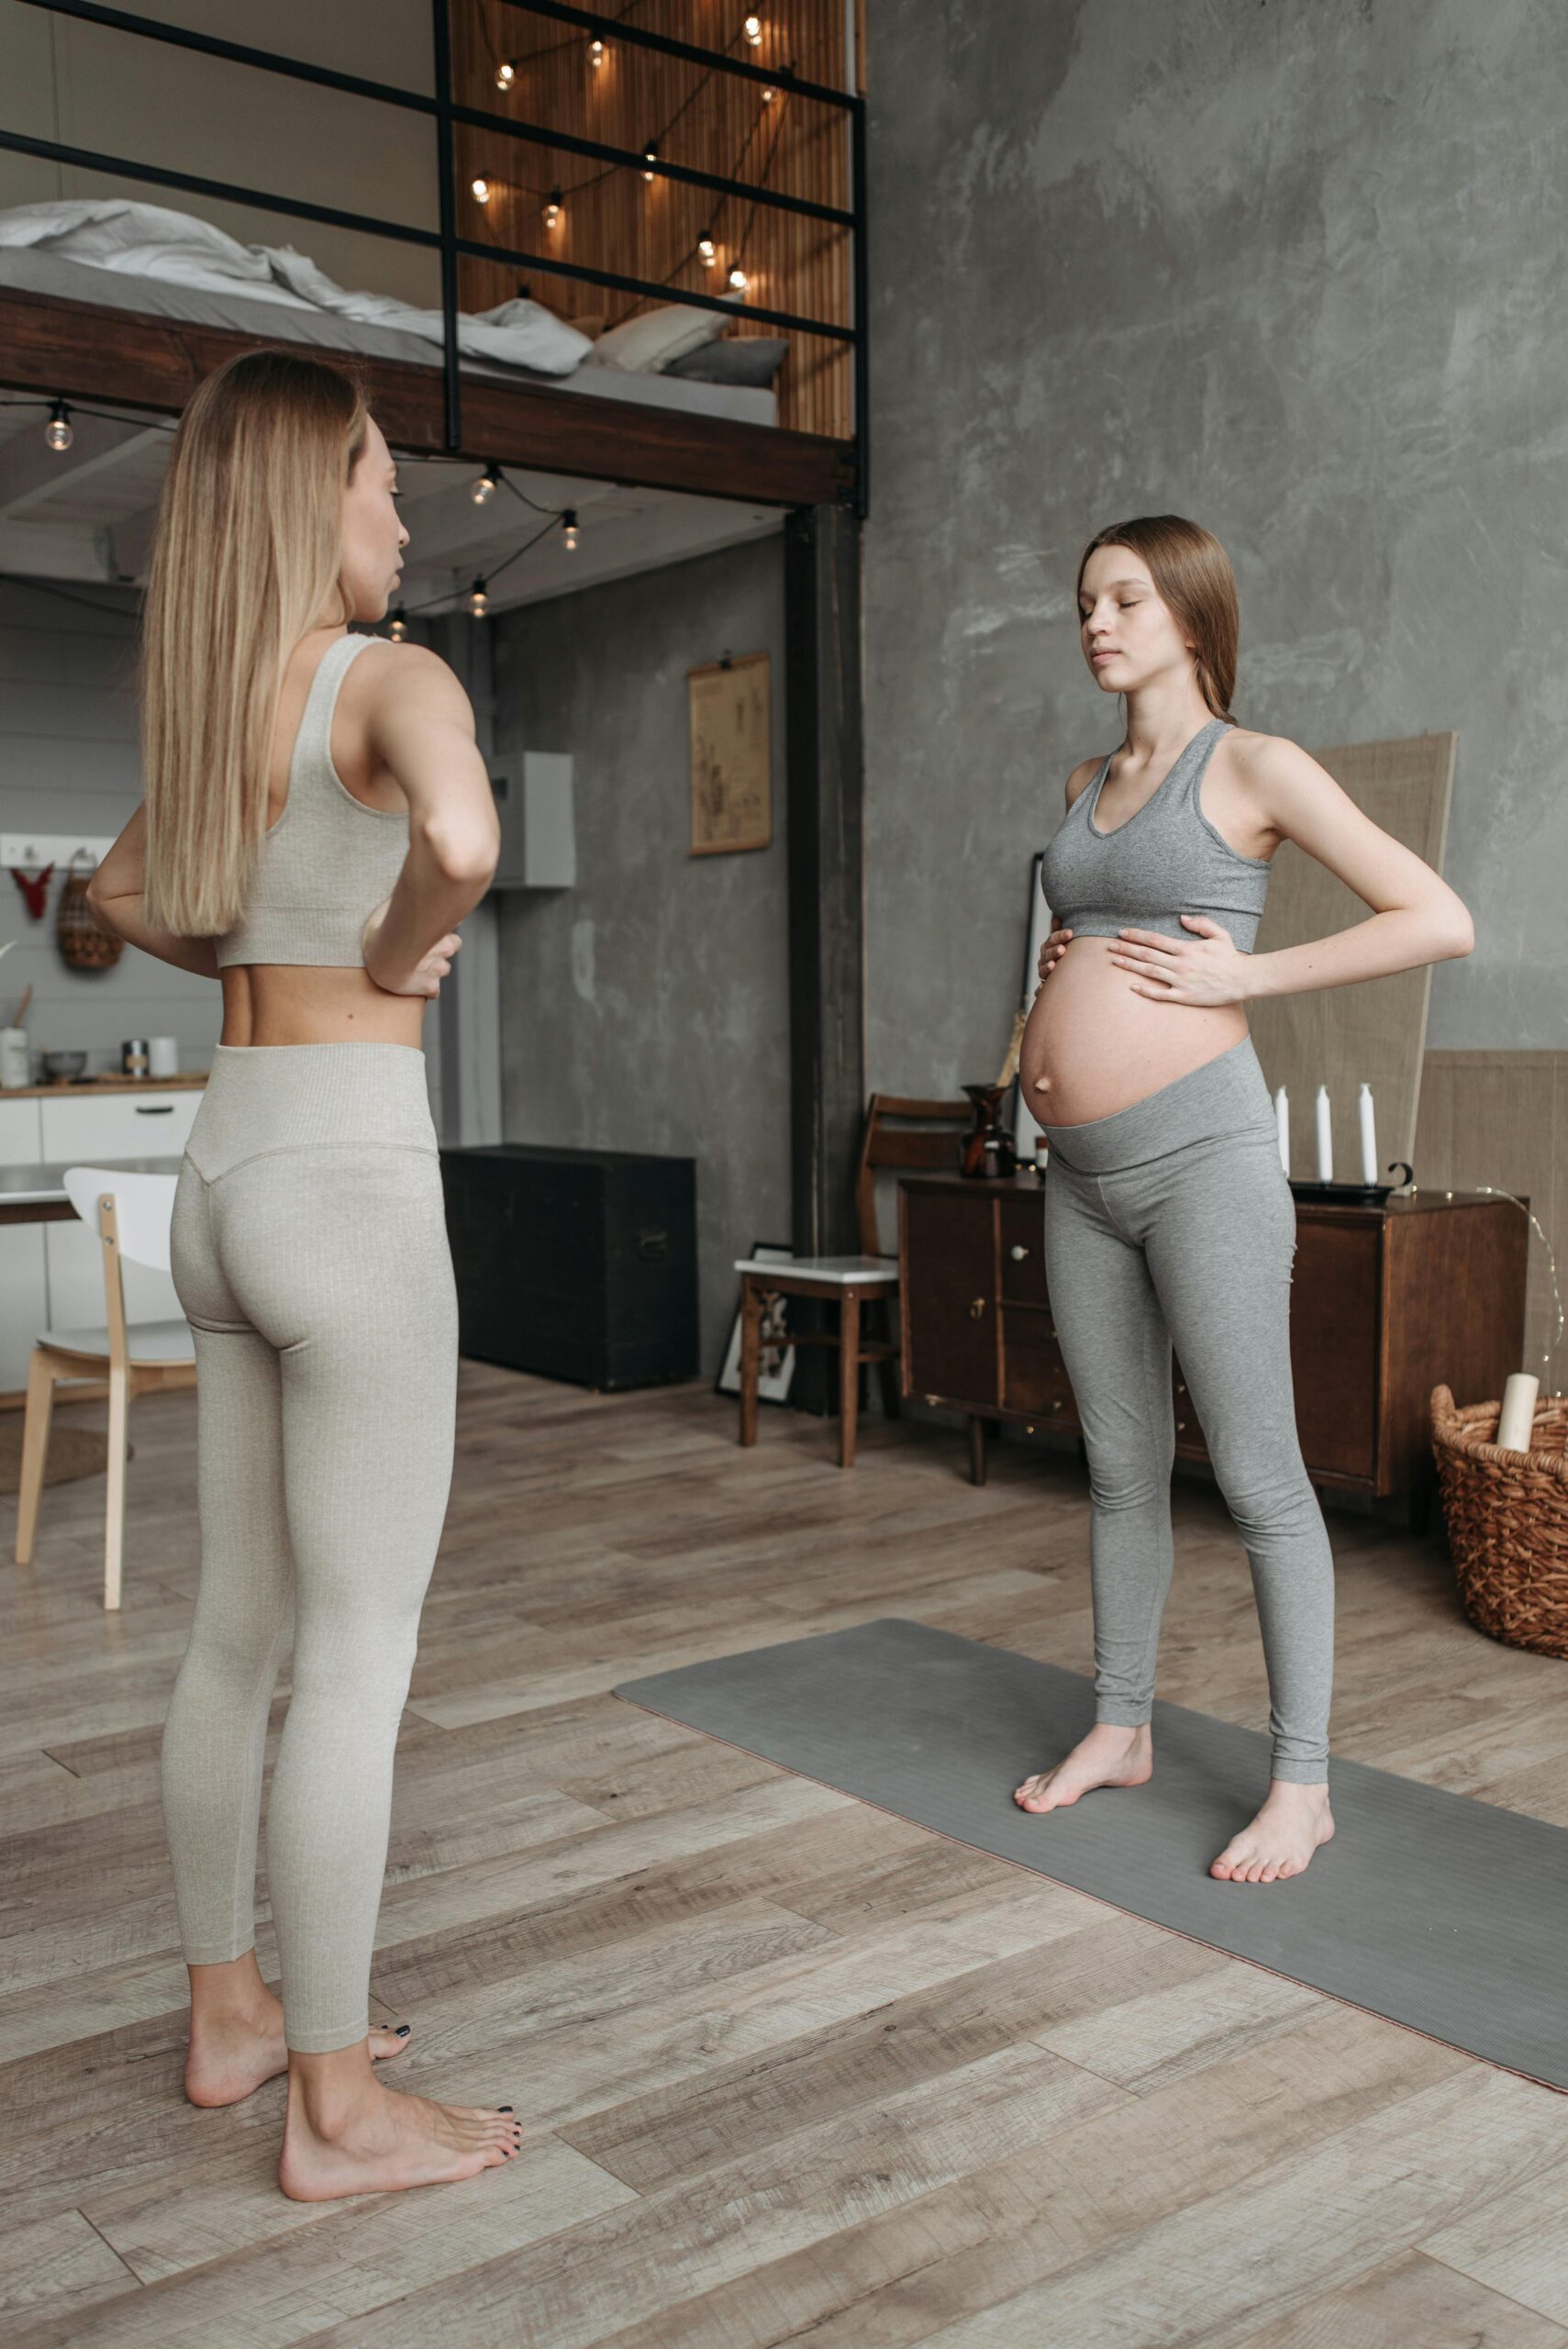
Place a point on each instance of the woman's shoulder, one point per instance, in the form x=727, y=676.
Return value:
x=404, y=679
x=1083, y=774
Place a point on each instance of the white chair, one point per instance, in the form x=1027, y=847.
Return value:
x=131, y=1214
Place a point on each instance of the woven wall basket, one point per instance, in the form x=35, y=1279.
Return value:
x=81, y=943
x=1507, y=1514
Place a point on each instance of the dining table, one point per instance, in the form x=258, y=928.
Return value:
x=37, y=1194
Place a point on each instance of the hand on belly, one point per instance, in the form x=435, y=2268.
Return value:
x=1092, y=1044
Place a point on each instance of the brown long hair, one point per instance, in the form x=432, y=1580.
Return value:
x=246, y=556
x=1192, y=572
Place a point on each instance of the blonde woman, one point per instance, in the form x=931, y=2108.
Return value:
x=1167, y=1215
x=317, y=821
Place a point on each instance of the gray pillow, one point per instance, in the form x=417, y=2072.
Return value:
x=739, y=358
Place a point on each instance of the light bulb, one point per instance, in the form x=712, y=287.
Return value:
x=752, y=29
x=649, y=155
x=397, y=628
x=705, y=248
x=504, y=75
x=569, y=531
x=481, y=190
x=596, y=51
x=478, y=601
x=553, y=208
x=768, y=96
x=58, y=432
x=484, y=487
x=738, y=279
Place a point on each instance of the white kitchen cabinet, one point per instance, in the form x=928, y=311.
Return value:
x=23, y=1301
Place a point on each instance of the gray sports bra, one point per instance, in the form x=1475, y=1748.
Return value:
x=325, y=864
x=1166, y=861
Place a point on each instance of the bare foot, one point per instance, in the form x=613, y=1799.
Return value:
x=233, y=2051
x=1279, y=1843
x=378, y=2140
x=1108, y=1756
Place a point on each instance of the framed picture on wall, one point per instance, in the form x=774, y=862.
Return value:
x=778, y=1354
x=728, y=704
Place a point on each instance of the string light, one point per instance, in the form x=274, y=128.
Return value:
x=705, y=250
x=552, y=207
x=481, y=190
x=768, y=96
x=506, y=74
x=58, y=432
x=568, y=530
x=478, y=601
x=1491, y=1191
x=397, y=628
x=596, y=52
x=485, y=488
x=649, y=155
x=739, y=279
x=752, y=29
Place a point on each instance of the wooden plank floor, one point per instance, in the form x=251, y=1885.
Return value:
x=792, y=2070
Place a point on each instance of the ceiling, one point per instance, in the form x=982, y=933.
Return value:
x=86, y=513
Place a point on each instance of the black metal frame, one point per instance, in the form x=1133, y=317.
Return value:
x=446, y=113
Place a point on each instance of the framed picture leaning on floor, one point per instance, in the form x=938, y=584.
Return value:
x=778, y=1354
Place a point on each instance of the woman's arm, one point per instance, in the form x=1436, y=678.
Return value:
x=1416, y=917
x=420, y=724
x=116, y=897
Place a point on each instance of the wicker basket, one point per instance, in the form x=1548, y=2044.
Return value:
x=1507, y=1514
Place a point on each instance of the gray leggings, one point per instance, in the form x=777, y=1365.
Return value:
x=309, y=1252
x=1173, y=1219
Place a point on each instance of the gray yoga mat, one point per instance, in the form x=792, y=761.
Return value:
x=1445, y=1914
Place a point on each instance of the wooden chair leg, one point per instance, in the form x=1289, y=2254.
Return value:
x=750, y=1356
x=849, y=1375
x=114, y=1528
x=35, y=1451
x=976, y=1448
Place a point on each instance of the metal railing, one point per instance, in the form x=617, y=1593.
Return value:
x=446, y=113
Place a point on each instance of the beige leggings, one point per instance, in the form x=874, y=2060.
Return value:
x=309, y=1252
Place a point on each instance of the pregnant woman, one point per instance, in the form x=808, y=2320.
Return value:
x=1167, y=1214
x=318, y=819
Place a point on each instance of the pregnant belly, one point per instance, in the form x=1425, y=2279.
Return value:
x=1102, y=1046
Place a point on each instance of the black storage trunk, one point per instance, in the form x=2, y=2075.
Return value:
x=575, y=1264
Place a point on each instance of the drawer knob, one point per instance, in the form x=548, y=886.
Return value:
x=1180, y=1425
x=155, y=1108
x=1056, y=1407
x=977, y=1308
x=1018, y=1253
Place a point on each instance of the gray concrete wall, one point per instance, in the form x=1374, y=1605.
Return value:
x=647, y=1008
x=1296, y=271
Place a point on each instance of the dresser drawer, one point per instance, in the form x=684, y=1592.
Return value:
x=1023, y=1251
x=107, y=1126
x=1035, y=1378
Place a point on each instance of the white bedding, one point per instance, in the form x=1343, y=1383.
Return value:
x=150, y=240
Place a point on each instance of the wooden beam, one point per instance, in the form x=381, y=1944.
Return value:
x=826, y=922
x=85, y=350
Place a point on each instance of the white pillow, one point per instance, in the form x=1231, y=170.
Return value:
x=644, y=344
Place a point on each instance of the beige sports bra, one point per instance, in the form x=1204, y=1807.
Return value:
x=327, y=863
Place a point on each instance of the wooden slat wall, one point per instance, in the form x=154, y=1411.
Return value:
x=614, y=219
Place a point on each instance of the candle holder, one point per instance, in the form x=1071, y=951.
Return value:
x=1364, y=1194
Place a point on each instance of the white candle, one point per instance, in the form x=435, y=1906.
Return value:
x=1282, y=1122
x=1368, y=1133
x=1325, y=1138
x=1517, y=1417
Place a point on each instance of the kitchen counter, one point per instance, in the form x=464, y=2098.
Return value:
x=107, y=1082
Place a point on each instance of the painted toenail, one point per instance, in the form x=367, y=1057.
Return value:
x=404, y=2028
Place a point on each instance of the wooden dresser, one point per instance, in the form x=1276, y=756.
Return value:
x=1386, y=1300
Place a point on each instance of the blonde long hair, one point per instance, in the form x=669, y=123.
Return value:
x=246, y=557
x=1191, y=572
